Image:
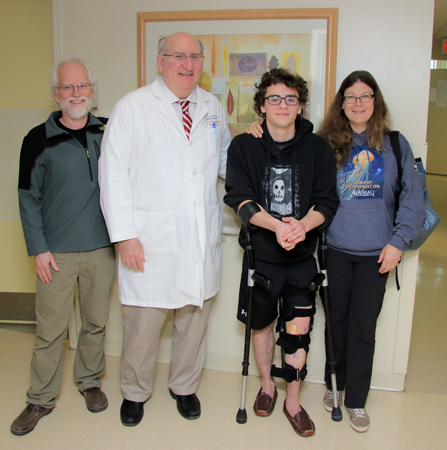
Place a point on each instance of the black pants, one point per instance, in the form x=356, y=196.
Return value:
x=356, y=291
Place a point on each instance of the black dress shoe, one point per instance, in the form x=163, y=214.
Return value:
x=131, y=413
x=187, y=405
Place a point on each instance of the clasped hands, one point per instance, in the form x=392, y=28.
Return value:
x=289, y=232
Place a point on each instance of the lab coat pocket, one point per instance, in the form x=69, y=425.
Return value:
x=213, y=138
x=214, y=224
x=157, y=231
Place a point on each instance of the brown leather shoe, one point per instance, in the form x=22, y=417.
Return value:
x=264, y=404
x=28, y=419
x=301, y=423
x=95, y=399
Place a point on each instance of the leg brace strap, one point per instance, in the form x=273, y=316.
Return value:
x=292, y=342
x=289, y=373
x=300, y=312
x=295, y=312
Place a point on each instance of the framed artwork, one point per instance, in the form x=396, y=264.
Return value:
x=240, y=45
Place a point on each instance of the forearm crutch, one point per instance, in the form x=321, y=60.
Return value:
x=253, y=278
x=324, y=293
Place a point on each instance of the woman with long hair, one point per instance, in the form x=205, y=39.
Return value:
x=368, y=233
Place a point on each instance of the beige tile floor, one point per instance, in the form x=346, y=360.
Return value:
x=414, y=419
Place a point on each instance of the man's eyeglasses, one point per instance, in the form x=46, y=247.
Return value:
x=363, y=98
x=82, y=87
x=290, y=100
x=180, y=57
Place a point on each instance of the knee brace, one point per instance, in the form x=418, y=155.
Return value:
x=291, y=343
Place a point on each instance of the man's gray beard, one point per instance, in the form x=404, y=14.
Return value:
x=76, y=112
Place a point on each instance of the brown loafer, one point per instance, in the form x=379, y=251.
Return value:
x=28, y=419
x=301, y=423
x=264, y=404
x=95, y=399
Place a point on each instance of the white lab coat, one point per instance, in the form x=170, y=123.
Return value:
x=161, y=188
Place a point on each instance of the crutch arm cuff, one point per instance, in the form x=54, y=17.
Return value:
x=327, y=213
x=247, y=211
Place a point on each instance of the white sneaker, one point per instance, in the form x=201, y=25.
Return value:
x=359, y=419
x=328, y=399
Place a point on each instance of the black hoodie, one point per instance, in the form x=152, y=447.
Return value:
x=285, y=181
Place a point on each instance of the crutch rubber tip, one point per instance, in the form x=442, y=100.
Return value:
x=241, y=416
x=337, y=416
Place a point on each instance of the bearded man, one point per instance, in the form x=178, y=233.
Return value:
x=65, y=232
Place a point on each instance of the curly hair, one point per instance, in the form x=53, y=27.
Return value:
x=336, y=128
x=280, y=75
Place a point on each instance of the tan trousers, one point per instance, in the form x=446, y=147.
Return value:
x=94, y=272
x=142, y=328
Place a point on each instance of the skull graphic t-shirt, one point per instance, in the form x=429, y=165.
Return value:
x=279, y=190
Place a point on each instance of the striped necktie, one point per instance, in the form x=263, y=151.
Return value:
x=187, y=122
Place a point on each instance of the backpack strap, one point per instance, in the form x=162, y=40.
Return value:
x=395, y=145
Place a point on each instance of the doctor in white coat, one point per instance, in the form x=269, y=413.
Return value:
x=159, y=199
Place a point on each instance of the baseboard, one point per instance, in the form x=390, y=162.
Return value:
x=17, y=307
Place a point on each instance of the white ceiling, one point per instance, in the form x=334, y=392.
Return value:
x=440, y=20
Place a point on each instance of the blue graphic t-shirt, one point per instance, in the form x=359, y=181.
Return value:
x=363, y=176
x=366, y=220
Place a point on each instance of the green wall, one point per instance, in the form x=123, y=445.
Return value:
x=436, y=126
x=26, y=46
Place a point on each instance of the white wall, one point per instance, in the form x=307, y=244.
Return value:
x=392, y=40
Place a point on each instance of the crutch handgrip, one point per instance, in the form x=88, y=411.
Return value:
x=262, y=280
x=316, y=281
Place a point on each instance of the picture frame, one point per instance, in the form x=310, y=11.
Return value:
x=320, y=21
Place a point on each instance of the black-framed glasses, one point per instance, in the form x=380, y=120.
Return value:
x=290, y=100
x=180, y=57
x=366, y=98
x=82, y=87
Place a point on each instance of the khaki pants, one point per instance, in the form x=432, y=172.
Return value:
x=142, y=328
x=94, y=271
